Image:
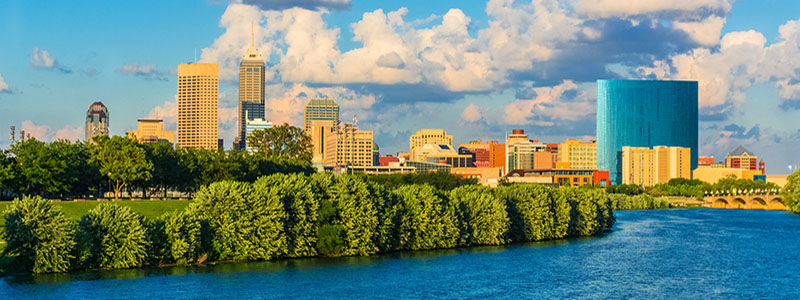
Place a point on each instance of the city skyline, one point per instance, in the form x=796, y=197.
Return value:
x=400, y=70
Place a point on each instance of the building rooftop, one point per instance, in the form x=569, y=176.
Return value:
x=321, y=101
x=741, y=150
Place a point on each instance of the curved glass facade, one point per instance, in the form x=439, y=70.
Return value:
x=644, y=113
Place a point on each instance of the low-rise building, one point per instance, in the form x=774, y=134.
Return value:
x=151, y=131
x=484, y=175
x=713, y=174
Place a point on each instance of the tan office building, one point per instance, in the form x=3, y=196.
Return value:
x=151, y=131
x=320, y=109
x=427, y=136
x=353, y=147
x=323, y=139
x=578, y=155
x=527, y=155
x=648, y=167
x=198, y=106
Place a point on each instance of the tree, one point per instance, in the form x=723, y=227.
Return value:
x=422, y=219
x=6, y=172
x=166, y=169
x=791, y=192
x=295, y=193
x=183, y=235
x=37, y=167
x=529, y=211
x=281, y=140
x=112, y=237
x=122, y=160
x=246, y=224
x=482, y=216
x=356, y=213
x=39, y=235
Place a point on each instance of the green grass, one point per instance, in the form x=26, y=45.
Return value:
x=150, y=209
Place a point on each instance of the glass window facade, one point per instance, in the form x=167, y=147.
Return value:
x=644, y=113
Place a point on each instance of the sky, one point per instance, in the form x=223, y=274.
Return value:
x=476, y=69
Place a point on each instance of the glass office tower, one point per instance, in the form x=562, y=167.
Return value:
x=644, y=113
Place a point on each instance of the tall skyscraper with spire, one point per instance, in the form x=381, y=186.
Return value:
x=96, y=120
x=251, y=91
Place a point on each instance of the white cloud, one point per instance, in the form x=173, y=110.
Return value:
x=41, y=59
x=146, y=71
x=705, y=32
x=287, y=105
x=552, y=104
x=3, y=85
x=471, y=113
x=168, y=111
x=627, y=8
x=308, y=4
x=45, y=133
x=742, y=59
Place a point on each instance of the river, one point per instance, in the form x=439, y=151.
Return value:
x=673, y=254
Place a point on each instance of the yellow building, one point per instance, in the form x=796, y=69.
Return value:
x=527, y=155
x=427, y=136
x=151, y=131
x=198, y=106
x=321, y=132
x=484, y=175
x=575, y=154
x=353, y=147
x=320, y=109
x=648, y=167
x=444, y=154
x=713, y=174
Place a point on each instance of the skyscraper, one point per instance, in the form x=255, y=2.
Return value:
x=251, y=91
x=198, y=105
x=648, y=167
x=644, y=113
x=320, y=109
x=96, y=120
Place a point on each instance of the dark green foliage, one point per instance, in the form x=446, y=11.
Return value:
x=791, y=192
x=627, y=189
x=38, y=235
x=530, y=211
x=420, y=218
x=121, y=160
x=731, y=185
x=183, y=236
x=247, y=223
x=294, y=191
x=440, y=180
x=483, y=217
x=680, y=187
x=356, y=213
x=112, y=237
x=624, y=202
x=281, y=140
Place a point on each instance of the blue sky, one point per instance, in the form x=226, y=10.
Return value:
x=476, y=69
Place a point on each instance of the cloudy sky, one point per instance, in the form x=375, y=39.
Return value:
x=476, y=69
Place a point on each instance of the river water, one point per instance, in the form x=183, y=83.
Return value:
x=671, y=254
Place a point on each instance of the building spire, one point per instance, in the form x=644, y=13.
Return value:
x=252, y=34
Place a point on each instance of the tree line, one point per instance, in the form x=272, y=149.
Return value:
x=297, y=215
x=62, y=169
x=694, y=187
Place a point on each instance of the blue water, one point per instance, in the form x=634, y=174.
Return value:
x=673, y=254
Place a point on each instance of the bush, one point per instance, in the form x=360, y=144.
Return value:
x=112, y=237
x=246, y=223
x=530, y=211
x=295, y=193
x=39, y=235
x=483, y=219
x=422, y=219
x=356, y=213
x=183, y=235
x=791, y=192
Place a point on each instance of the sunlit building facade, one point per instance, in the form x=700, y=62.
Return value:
x=151, y=131
x=644, y=113
x=648, y=167
x=320, y=109
x=198, y=106
x=96, y=120
x=427, y=137
x=251, y=92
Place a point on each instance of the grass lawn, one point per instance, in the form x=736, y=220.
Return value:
x=150, y=209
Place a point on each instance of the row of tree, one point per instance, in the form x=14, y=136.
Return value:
x=638, y=202
x=62, y=169
x=695, y=187
x=286, y=216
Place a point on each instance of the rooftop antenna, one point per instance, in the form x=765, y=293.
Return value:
x=252, y=34
x=355, y=120
x=195, y=55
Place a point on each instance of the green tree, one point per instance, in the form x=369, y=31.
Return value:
x=121, y=159
x=37, y=167
x=357, y=214
x=482, y=216
x=112, y=237
x=529, y=210
x=422, y=219
x=791, y=192
x=246, y=223
x=183, y=235
x=6, y=172
x=166, y=171
x=294, y=191
x=38, y=235
x=281, y=140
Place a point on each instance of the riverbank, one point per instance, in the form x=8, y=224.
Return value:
x=647, y=255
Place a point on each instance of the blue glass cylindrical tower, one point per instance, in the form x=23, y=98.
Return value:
x=644, y=113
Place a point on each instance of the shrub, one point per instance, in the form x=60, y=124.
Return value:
x=422, y=219
x=356, y=214
x=483, y=219
x=246, y=224
x=39, y=235
x=529, y=211
x=295, y=193
x=183, y=235
x=112, y=237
